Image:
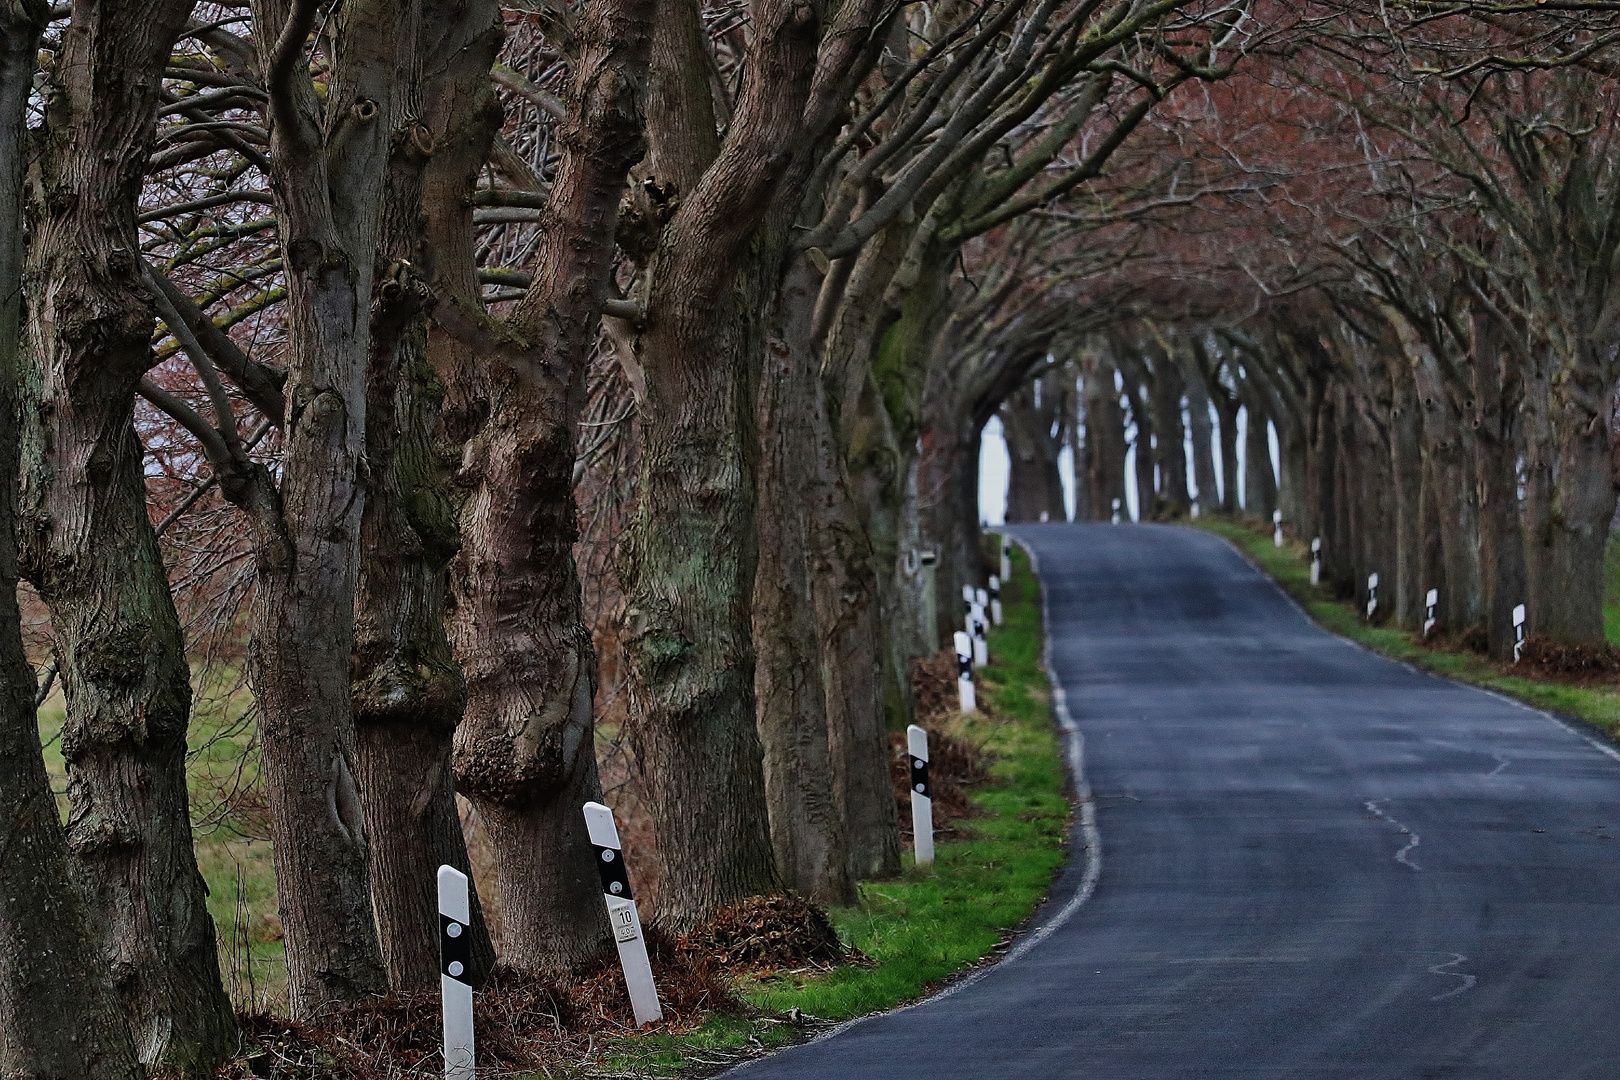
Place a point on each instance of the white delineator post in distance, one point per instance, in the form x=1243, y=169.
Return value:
x=922, y=800
x=964, y=673
x=1372, y=594
x=967, y=609
x=1116, y=511
x=995, y=600
x=981, y=624
x=1276, y=524
x=1316, y=561
x=1430, y=604
x=455, y=981
x=1006, y=559
x=622, y=914
x=1518, y=632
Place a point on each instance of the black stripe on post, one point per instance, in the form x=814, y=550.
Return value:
x=455, y=948
x=610, y=868
x=919, y=777
x=964, y=667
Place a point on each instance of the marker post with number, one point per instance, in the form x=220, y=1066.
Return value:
x=622, y=914
x=1372, y=595
x=1518, y=632
x=1431, y=604
x=922, y=800
x=995, y=600
x=964, y=673
x=1276, y=524
x=1316, y=561
x=455, y=980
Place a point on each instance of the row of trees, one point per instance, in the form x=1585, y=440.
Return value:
x=1414, y=286
x=357, y=297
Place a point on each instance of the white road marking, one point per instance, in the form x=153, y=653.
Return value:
x=1403, y=855
x=1469, y=981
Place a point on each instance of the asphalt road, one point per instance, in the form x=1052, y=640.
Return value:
x=1314, y=862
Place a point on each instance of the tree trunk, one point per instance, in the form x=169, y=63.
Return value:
x=807, y=830
x=1536, y=447
x=1203, y=440
x=1105, y=438
x=1147, y=496
x=409, y=694
x=1406, y=470
x=91, y=550
x=1171, y=446
x=1259, y=480
x=1582, y=510
x=1034, y=434
x=328, y=186
x=689, y=561
x=526, y=753
x=1498, y=387
x=59, y=1016
x=1226, y=410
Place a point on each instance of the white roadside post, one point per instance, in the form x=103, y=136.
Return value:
x=1316, y=561
x=455, y=981
x=922, y=801
x=967, y=609
x=981, y=624
x=1518, y=632
x=1372, y=594
x=995, y=600
x=622, y=914
x=1195, y=509
x=1431, y=604
x=964, y=673
x=1116, y=511
x=1006, y=558
x=1276, y=524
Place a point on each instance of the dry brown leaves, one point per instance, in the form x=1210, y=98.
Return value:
x=1548, y=659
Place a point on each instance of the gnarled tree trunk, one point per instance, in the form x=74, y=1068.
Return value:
x=59, y=1016
x=91, y=550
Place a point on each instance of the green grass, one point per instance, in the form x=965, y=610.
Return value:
x=1289, y=566
x=927, y=925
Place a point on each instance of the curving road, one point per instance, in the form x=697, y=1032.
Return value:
x=1316, y=863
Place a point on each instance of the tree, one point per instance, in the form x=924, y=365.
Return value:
x=87, y=543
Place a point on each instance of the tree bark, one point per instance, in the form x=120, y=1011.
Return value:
x=1226, y=411
x=1035, y=433
x=1498, y=387
x=89, y=546
x=1406, y=470
x=689, y=561
x=60, y=1018
x=1105, y=436
x=329, y=161
x=526, y=753
x=807, y=830
x=1170, y=449
x=1582, y=509
x=1259, y=480
x=1203, y=435
x=409, y=694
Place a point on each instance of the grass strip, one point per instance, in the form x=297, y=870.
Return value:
x=925, y=926
x=1289, y=567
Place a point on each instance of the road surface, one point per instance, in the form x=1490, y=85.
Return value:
x=1315, y=863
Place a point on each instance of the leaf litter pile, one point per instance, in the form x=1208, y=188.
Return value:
x=954, y=764
x=526, y=1026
